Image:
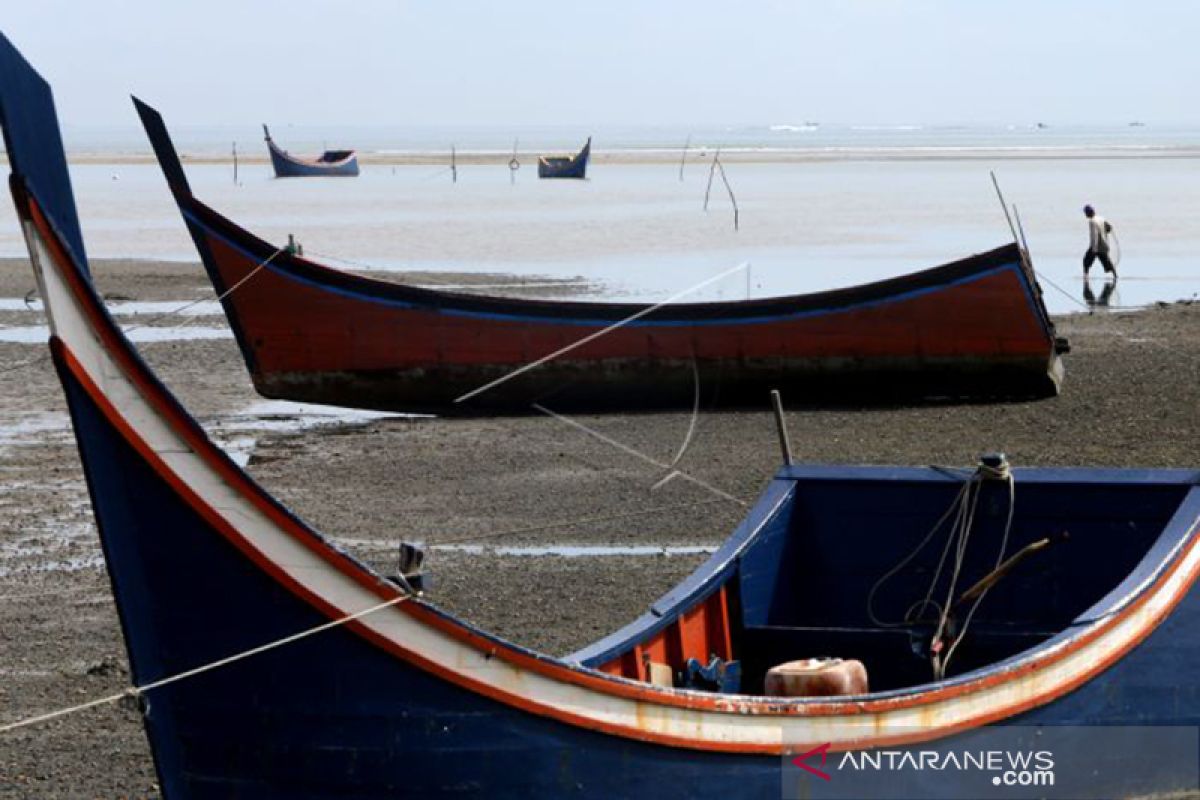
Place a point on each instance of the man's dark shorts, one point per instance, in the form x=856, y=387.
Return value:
x=1090, y=257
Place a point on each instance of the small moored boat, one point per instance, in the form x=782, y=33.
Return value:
x=331, y=163
x=566, y=166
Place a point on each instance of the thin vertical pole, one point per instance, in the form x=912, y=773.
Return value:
x=683, y=158
x=1004, y=205
x=711, y=172
x=785, y=444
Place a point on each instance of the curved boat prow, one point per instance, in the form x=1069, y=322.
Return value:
x=164, y=148
x=35, y=148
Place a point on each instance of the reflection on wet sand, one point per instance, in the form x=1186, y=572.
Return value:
x=1106, y=293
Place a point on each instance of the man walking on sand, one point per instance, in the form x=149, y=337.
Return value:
x=1098, y=247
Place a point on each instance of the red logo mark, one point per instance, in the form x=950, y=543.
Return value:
x=818, y=750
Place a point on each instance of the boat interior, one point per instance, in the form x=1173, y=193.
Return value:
x=840, y=561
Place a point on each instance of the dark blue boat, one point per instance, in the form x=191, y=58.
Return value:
x=331, y=163
x=271, y=664
x=566, y=166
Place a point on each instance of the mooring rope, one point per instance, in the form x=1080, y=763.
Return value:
x=193, y=303
x=159, y=317
x=1042, y=277
x=640, y=455
x=602, y=332
x=138, y=691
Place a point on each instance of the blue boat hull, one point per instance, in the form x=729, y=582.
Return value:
x=333, y=716
x=566, y=166
x=289, y=167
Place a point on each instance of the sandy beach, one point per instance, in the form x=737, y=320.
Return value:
x=503, y=504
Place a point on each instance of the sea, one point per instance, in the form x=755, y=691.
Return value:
x=794, y=207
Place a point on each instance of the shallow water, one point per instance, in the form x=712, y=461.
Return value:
x=640, y=233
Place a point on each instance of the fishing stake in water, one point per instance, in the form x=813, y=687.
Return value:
x=683, y=157
x=513, y=163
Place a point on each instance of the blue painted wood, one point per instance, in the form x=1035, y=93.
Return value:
x=34, y=144
x=329, y=716
x=566, y=166
x=333, y=716
x=330, y=164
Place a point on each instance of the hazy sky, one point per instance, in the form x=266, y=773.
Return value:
x=453, y=62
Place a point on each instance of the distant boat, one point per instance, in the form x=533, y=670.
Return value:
x=566, y=166
x=1137, y=124
x=331, y=163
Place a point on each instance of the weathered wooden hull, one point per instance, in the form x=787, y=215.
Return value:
x=566, y=166
x=296, y=672
x=975, y=328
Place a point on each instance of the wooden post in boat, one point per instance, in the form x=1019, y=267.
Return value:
x=1017, y=239
x=785, y=444
x=1004, y=205
x=1020, y=228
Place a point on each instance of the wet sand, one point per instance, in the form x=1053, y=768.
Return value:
x=1131, y=397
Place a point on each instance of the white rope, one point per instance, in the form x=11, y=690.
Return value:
x=136, y=691
x=220, y=297
x=1012, y=504
x=640, y=455
x=173, y=312
x=602, y=332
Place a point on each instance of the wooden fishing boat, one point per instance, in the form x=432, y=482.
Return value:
x=973, y=328
x=566, y=166
x=271, y=664
x=330, y=164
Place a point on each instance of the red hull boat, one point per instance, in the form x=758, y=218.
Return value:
x=975, y=328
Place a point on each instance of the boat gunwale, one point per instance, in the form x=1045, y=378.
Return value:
x=316, y=163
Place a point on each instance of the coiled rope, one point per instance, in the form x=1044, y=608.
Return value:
x=962, y=508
